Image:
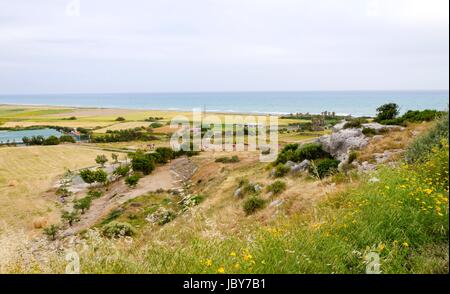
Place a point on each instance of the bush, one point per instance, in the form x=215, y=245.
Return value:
x=52, y=140
x=420, y=116
x=132, y=180
x=66, y=139
x=277, y=187
x=83, y=204
x=101, y=176
x=51, y=232
x=101, y=159
x=140, y=162
x=281, y=170
x=296, y=153
x=88, y=176
x=369, y=131
x=165, y=154
x=70, y=217
x=421, y=147
x=118, y=229
x=325, y=167
x=122, y=170
x=156, y=125
x=387, y=111
x=355, y=123
x=120, y=118
x=124, y=136
x=253, y=204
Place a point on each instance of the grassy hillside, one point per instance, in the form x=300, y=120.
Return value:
x=26, y=173
x=399, y=212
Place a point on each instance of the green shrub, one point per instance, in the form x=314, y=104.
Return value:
x=70, y=217
x=83, y=204
x=325, y=167
x=132, y=180
x=101, y=159
x=101, y=176
x=90, y=176
x=276, y=187
x=297, y=153
x=369, y=131
x=118, y=229
x=165, y=154
x=52, y=140
x=156, y=125
x=51, y=232
x=120, y=118
x=122, y=170
x=253, y=204
x=420, y=116
x=140, y=162
x=281, y=170
x=66, y=139
x=355, y=123
x=421, y=147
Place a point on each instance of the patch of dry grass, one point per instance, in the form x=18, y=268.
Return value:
x=26, y=173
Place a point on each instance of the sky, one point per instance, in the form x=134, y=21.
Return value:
x=93, y=46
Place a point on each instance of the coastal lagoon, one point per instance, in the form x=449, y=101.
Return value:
x=16, y=136
x=357, y=103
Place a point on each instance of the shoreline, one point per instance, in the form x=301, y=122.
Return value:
x=212, y=111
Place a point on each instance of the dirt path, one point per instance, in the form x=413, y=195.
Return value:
x=165, y=177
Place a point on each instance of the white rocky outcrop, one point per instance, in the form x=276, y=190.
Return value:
x=340, y=143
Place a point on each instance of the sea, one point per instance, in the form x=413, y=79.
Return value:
x=356, y=103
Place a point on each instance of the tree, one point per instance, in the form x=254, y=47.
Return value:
x=70, y=217
x=141, y=162
x=51, y=232
x=101, y=159
x=82, y=204
x=120, y=118
x=387, y=111
x=115, y=157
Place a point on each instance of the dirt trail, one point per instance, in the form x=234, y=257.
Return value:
x=165, y=177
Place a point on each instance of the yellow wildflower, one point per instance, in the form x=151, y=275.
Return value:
x=233, y=253
x=221, y=270
x=208, y=262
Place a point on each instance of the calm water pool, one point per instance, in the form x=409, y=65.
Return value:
x=16, y=136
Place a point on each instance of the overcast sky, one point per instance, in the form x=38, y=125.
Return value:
x=46, y=46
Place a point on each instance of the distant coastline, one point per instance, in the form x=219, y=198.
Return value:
x=356, y=103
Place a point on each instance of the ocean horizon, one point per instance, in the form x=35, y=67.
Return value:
x=356, y=103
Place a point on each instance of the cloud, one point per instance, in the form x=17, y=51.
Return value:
x=286, y=44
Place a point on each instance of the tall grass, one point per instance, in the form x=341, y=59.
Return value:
x=423, y=145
